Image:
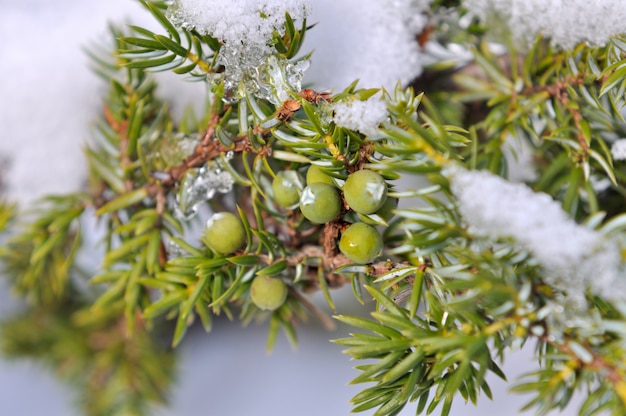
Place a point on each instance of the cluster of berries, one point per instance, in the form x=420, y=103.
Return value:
x=320, y=201
x=364, y=192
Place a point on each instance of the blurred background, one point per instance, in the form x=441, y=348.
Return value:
x=48, y=96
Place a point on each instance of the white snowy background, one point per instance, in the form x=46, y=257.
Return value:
x=48, y=97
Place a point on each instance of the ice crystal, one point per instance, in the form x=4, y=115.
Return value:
x=276, y=80
x=200, y=185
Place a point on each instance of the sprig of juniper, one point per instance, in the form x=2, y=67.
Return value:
x=450, y=304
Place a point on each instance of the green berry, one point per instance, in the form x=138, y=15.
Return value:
x=320, y=203
x=365, y=191
x=287, y=186
x=361, y=243
x=317, y=174
x=225, y=233
x=268, y=293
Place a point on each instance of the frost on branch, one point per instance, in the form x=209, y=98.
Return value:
x=574, y=258
x=566, y=23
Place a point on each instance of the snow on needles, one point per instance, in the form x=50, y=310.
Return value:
x=574, y=258
x=246, y=29
x=566, y=22
x=237, y=22
x=363, y=116
x=372, y=40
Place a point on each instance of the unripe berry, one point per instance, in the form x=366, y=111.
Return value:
x=320, y=203
x=365, y=191
x=268, y=293
x=316, y=174
x=286, y=187
x=361, y=243
x=225, y=233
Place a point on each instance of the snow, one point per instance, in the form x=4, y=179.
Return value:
x=618, y=149
x=246, y=29
x=574, y=257
x=238, y=22
x=565, y=22
x=373, y=41
x=363, y=116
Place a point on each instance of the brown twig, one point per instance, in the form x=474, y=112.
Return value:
x=121, y=128
x=598, y=364
x=559, y=92
x=365, y=152
x=208, y=149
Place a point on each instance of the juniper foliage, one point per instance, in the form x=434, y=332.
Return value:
x=450, y=302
